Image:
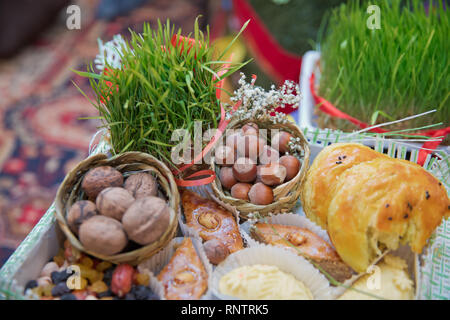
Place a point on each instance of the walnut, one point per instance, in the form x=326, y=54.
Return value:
x=103, y=235
x=141, y=185
x=113, y=202
x=146, y=220
x=100, y=178
x=79, y=212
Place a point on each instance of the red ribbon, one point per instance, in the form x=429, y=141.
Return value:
x=330, y=109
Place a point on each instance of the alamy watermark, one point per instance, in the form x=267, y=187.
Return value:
x=73, y=21
x=373, y=22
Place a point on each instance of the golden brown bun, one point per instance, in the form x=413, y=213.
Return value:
x=375, y=204
x=322, y=176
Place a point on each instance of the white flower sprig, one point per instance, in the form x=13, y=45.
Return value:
x=257, y=102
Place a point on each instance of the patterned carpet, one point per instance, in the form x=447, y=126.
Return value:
x=41, y=135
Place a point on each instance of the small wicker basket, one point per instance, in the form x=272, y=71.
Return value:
x=127, y=163
x=287, y=194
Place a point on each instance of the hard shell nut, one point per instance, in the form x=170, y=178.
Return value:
x=113, y=202
x=244, y=170
x=292, y=165
x=146, y=220
x=80, y=212
x=208, y=220
x=296, y=238
x=280, y=141
x=268, y=155
x=250, y=146
x=240, y=190
x=141, y=185
x=100, y=178
x=224, y=155
x=216, y=251
x=250, y=129
x=103, y=235
x=227, y=178
x=273, y=174
x=260, y=194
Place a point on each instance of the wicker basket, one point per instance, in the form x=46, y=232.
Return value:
x=286, y=194
x=128, y=162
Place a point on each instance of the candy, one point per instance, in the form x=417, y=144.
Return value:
x=30, y=285
x=142, y=279
x=98, y=286
x=122, y=279
x=102, y=266
x=49, y=268
x=68, y=296
x=86, y=261
x=59, y=289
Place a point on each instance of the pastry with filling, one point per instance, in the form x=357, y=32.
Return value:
x=213, y=223
x=304, y=243
x=184, y=277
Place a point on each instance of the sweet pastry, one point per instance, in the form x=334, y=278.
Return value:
x=322, y=176
x=372, y=205
x=305, y=243
x=184, y=277
x=211, y=221
x=389, y=281
x=263, y=282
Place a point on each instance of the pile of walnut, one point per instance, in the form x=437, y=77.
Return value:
x=250, y=168
x=118, y=211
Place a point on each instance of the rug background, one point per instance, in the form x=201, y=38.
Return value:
x=41, y=136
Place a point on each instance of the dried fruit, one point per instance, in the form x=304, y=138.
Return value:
x=98, y=287
x=142, y=279
x=102, y=266
x=122, y=279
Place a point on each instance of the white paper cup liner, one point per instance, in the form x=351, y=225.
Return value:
x=286, y=261
x=156, y=263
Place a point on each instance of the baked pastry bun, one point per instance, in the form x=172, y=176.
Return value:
x=376, y=205
x=322, y=176
x=212, y=222
x=184, y=277
x=305, y=243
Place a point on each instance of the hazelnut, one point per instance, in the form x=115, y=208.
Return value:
x=244, y=169
x=79, y=212
x=113, y=202
x=141, y=185
x=280, y=141
x=232, y=140
x=216, y=251
x=240, y=190
x=258, y=174
x=292, y=165
x=226, y=177
x=268, y=155
x=208, y=220
x=183, y=277
x=260, y=194
x=146, y=219
x=224, y=155
x=103, y=235
x=273, y=174
x=100, y=178
x=250, y=146
x=250, y=129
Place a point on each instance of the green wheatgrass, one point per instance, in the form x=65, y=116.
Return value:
x=160, y=88
x=399, y=70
